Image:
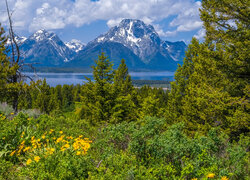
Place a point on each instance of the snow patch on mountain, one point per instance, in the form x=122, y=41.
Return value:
x=18, y=39
x=46, y=48
x=41, y=35
x=142, y=39
x=75, y=45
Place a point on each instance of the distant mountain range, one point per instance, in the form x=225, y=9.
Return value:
x=133, y=40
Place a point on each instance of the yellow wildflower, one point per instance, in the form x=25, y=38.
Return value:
x=29, y=161
x=64, y=141
x=78, y=153
x=13, y=152
x=50, y=150
x=3, y=138
x=210, y=175
x=43, y=136
x=70, y=137
x=26, y=149
x=66, y=145
x=224, y=178
x=60, y=132
x=12, y=113
x=37, y=158
x=28, y=119
x=194, y=179
x=59, y=139
x=51, y=131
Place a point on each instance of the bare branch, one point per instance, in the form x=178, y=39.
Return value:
x=12, y=35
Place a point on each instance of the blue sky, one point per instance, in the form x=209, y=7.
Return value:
x=174, y=20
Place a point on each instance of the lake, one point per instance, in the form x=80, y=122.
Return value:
x=54, y=79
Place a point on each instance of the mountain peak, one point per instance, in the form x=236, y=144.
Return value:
x=41, y=35
x=137, y=27
x=134, y=34
x=75, y=45
x=129, y=21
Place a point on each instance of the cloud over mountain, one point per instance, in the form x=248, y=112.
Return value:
x=58, y=14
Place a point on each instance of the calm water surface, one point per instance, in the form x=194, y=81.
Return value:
x=54, y=79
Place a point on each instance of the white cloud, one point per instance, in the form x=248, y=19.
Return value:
x=201, y=34
x=114, y=22
x=189, y=26
x=189, y=19
x=56, y=14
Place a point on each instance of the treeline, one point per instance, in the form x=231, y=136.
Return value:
x=152, y=83
x=111, y=89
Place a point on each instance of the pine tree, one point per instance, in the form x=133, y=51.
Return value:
x=11, y=86
x=97, y=102
x=124, y=108
x=122, y=80
x=212, y=86
x=4, y=68
x=43, y=97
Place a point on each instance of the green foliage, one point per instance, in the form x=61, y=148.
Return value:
x=97, y=99
x=10, y=75
x=212, y=86
x=149, y=150
x=4, y=68
x=198, y=130
x=145, y=149
x=110, y=97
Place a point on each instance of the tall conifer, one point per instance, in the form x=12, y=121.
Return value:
x=212, y=86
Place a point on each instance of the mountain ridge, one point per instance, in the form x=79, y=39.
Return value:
x=141, y=41
x=133, y=40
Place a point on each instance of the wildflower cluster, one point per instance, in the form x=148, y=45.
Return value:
x=211, y=176
x=81, y=146
x=49, y=144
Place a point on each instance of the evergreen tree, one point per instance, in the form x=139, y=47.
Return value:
x=98, y=99
x=67, y=96
x=124, y=108
x=54, y=100
x=151, y=106
x=122, y=80
x=4, y=68
x=212, y=86
x=10, y=75
x=43, y=97
x=77, y=93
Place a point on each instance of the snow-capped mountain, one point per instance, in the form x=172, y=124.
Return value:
x=75, y=45
x=142, y=39
x=18, y=39
x=138, y=43
x=175, y=49
x=46, y=49
x=132, y=40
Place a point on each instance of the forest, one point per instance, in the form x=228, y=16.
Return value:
x=108, y=128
